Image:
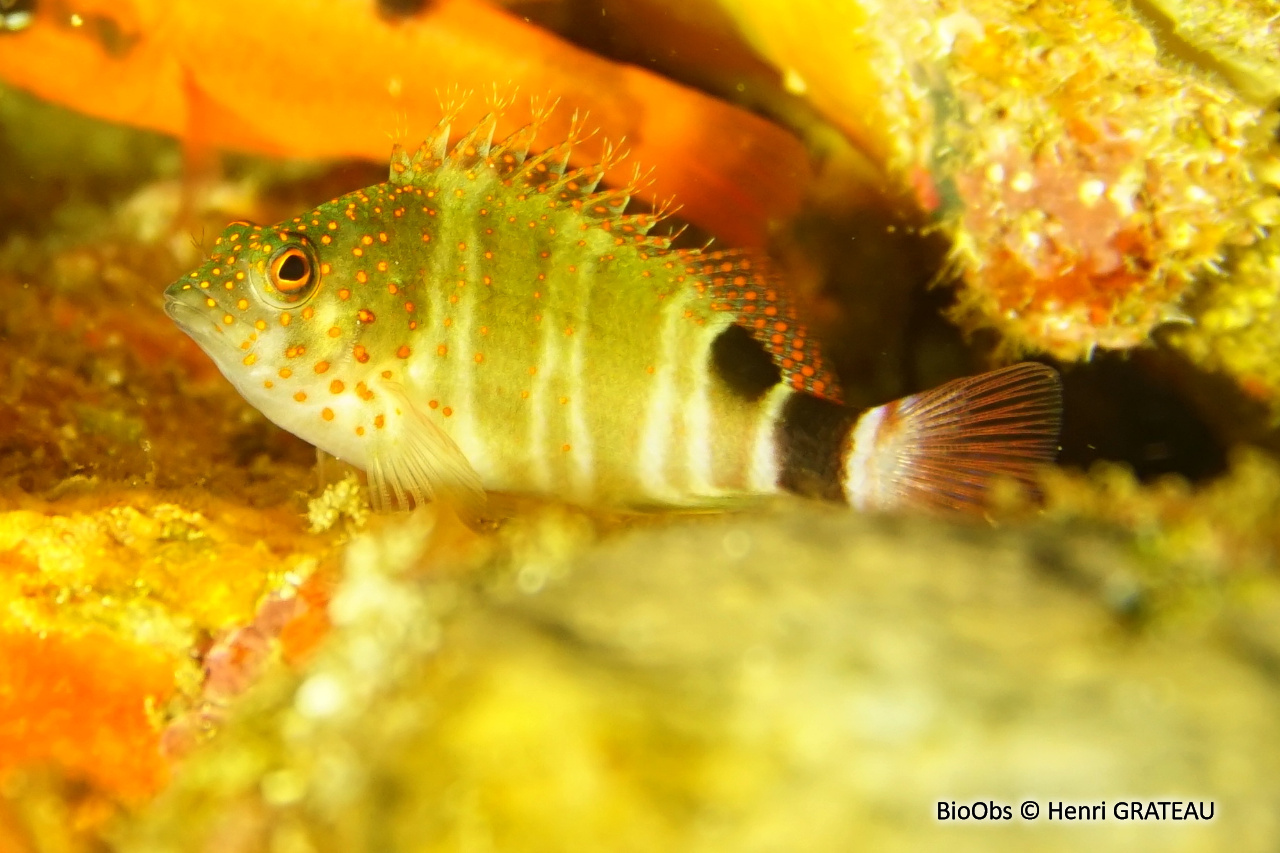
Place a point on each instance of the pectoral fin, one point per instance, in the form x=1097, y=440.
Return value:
x=418, y=462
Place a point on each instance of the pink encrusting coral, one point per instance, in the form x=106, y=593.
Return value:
x=1091, y=182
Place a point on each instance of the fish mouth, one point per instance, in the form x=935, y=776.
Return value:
x=195, y=322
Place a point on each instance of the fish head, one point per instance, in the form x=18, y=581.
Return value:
x=258, y=307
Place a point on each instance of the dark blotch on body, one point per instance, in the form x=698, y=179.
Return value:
x=743, y=363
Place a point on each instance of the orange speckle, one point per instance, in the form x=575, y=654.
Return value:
x=362, y=276
x=285, y=373
x=442, y=350
x=564, y=400
x=524, y=395
x=344, y=293
x=359, y=430
x=336, y=386
x=301, y=396
x=242, y=304
x=479, y=357
x=386, y=374
x=260, y=325
x=566, y=448
x=367, y=240
x=228, y=319
x=308, y=313
x=267, y=383
x=285, y=318
x=446, y=411
x=335, y=331
x=322, y=366
x=324, y=269
x=325, y=238
x=649, y=369
x=360, y=353
x=382, y=267
x=404, y=351
x=326, y=413
x=357, y=251
x=380, y=421
x=435, y=404
x=365, y=316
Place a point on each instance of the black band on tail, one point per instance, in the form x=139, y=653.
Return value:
x=811, y=437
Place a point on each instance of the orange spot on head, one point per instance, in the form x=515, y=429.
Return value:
x=566, y=448
x=285, y=373
x=435, y=404
x=322, y=366
x=285, y=318
x=446, y=411
x=301, y=396
x=335, y=331
x=360, y=353
x=362, y=276
x=403, y=351
x=365, y=316
x=380, y=421
x=344, y=293
x=479, y=357
x=336, y=386
x=359, y=430
x=308, y=313
x=326, y=413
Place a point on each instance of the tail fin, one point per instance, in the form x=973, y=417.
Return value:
x=943, y=449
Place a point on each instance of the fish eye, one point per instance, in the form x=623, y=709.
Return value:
x=291, y=274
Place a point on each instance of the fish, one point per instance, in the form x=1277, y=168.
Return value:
x=491, y=320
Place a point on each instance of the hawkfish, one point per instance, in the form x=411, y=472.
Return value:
x=491, y=320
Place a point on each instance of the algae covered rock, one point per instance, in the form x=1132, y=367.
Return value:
x=799, y=680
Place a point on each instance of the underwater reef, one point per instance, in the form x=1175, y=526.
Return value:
x=209, y=642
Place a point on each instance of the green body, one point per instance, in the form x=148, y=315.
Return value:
x=490, y=299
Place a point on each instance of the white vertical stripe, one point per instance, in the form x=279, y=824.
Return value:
x=862, y=476
x=582, y=451
x=465, y=429
x=697, y=416
x=655, y=437
x=763, y=475
x=542, y=394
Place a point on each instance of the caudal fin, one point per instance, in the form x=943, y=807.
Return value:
x=945, y=448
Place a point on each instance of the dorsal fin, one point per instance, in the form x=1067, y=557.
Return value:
x=741, y=283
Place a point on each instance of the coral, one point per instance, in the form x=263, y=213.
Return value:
x=1084, y=182
x=729, y=684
